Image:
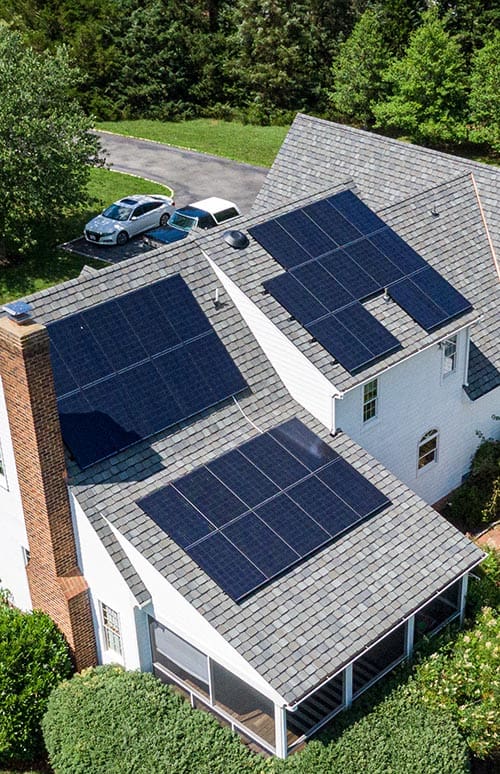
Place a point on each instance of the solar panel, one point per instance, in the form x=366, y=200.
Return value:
x=417, y=304
x=356, y=212
x=307, y=233
x=441, y=292
x=316, y=280
x=332, y=222
x=132, y=366
x=350, y=352
x=279, y=244
x=350, y=274
x=398, y=251
x=295, y=298
x=244, y=541
x=374, y=262
x=367, y=329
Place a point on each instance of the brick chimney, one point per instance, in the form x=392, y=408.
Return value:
x=56, y=583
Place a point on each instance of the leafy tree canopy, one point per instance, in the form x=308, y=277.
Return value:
x=45, y=144
x=429, y=86
x=484, y=98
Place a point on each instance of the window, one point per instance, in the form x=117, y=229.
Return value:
x=370, y=400
x=449, y=355
x=428, y=448
x=111, y=628
x=223, y=215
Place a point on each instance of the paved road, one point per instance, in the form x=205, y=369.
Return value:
x=192, y=175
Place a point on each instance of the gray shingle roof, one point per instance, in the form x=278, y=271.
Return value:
x=453, y=242
x=318, y=153
x=307, y=624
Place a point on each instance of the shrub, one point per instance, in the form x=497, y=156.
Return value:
x=34, y=658
x=399, y=736
x=477, y=501
x=112, y=721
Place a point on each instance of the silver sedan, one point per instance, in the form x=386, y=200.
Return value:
x=127, y=217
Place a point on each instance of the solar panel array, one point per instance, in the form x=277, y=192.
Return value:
x=337, y=253
x=256, y=511
x=132, y=366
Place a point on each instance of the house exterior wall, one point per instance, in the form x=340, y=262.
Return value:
x=303, y=380
x=171, y=609
x=413, y=398
x=14, y=538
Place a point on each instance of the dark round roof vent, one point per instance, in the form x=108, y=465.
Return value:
x=236, y=239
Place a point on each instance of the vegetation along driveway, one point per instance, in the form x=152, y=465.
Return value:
x=192, y=175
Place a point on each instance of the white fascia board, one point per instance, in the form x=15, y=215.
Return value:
x=173, y=610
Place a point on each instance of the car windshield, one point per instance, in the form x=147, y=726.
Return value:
x=184, y=222
x=116, y=212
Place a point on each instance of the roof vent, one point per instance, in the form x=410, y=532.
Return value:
x=236, y=239
x=18, y=311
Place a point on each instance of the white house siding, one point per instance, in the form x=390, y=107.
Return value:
x=108, y=586
x=415, y=397
x=303, y=380
x=13, y=531
x=171, y=609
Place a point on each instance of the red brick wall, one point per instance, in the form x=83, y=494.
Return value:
x=56, y=583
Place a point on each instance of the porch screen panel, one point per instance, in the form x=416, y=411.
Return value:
x=438, y=611
x=184, y=655
x=243, y=702
x=379, y=658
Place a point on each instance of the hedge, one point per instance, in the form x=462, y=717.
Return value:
x=106, y=720
x=34, y=658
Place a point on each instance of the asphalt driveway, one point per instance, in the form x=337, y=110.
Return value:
x=192, y=175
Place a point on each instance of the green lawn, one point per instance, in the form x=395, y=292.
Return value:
x=47, y=266
x=256, y=145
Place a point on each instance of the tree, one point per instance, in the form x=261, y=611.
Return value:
x=358, y=68
x=429, y=86
x=34, y=658
x=45, y=144
x=484, y=100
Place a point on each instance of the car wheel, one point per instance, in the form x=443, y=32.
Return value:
x=164, y=219
x=122, y=238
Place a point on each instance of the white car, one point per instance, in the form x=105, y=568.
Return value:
x=127, y=217
x=204, y=214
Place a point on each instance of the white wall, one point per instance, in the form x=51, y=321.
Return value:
x=415, y=397
x=301, y=378
x=170, y=608
x=13, y=530
x=108, y=586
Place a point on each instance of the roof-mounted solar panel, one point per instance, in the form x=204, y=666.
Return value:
x=307, y=233
x=295, y=298
x=315, y=497
x=278, y=243
x=137, y=364
x=429, y=299
x=356, y=212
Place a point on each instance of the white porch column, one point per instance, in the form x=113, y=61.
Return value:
x=410, y=636
x=348, y=685
x=463, y=597
x=280, y=731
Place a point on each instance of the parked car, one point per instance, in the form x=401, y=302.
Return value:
x=128, y=217
x=204, y=214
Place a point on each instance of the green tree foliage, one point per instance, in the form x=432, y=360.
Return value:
x=45, y=144
x=464, y=678
x=470, y=20
x=477, y=501
x=358, y=68
x=34, y=658
x=429, y=86
x=108, y=721
x=484, y=100
x=400, y=18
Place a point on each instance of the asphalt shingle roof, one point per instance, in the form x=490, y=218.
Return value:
x=304, y=626
x=317, y=153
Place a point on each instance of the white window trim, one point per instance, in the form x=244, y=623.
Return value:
x=450, y=340
x=375, y=400
x=3, y=474
x=429, y=435
x=111, y=633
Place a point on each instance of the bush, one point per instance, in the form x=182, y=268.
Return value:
x=112, y=721
x=399, y=736
x=477, y=501
x=34, y=658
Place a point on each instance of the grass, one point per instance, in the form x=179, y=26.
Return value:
x=251, y=144
x=49, y=265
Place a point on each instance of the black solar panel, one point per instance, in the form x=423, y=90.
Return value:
x=130, y=367
x=308, y=498
x=371, y=258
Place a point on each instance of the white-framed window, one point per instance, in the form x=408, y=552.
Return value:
x=111, y=629
x=449, y=349
x=3, y=475
x=428, y=448
x=370, y=400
